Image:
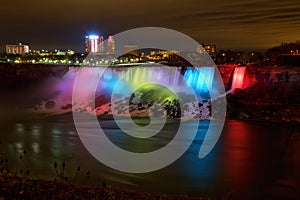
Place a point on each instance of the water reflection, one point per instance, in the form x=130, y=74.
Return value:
x=36, y=147
x=249, y=159
x=19, y=128
x=254, y=155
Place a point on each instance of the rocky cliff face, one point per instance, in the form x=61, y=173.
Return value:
x=266, y=101
x=269, y=93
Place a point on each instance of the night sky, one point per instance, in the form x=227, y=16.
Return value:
x=236, y=24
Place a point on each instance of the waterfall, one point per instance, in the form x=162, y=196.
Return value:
x=200, y=79
x=238, y=78
x=122, y=80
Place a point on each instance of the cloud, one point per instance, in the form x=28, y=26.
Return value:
x=260, y=23
x=232, y=24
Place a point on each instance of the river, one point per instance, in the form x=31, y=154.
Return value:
x=249, y=158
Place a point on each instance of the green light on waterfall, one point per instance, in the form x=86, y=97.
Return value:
x=155, y=93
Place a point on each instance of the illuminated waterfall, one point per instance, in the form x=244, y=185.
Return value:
x=121, y=80
x=238, y=78
x=200, y=79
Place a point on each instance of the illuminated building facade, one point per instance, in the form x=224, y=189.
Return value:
x=92, y=43
x=17, y=49
x=101, y=45
x=210, y=49
x=95, y=44
x=110, y=45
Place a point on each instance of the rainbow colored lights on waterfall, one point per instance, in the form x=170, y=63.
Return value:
x=200, y=79
x=127, y=79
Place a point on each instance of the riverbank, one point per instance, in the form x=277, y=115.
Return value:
x=16, y=187
x=263, y=102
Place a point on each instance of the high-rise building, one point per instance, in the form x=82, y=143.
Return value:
x=95, y=44
x=87, y=44
x=110, y=45
x=101, y=45
x=92, y=43
x=17, y=49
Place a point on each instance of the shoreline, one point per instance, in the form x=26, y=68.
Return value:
x=16, y=187
x=111, y=117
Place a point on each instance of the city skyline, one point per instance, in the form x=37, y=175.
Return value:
x=249, y=24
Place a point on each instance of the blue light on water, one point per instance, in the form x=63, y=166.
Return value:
x=200, y=79
x=111, y=82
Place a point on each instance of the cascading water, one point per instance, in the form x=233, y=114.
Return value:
x=238, y=78
x=121, y=80
x=200, y=79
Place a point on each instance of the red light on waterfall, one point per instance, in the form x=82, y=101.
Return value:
x=238, y=78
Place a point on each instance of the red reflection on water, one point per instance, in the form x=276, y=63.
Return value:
x=237, y=156
x=240, y=158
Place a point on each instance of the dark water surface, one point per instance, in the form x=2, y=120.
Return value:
x=249, y=159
